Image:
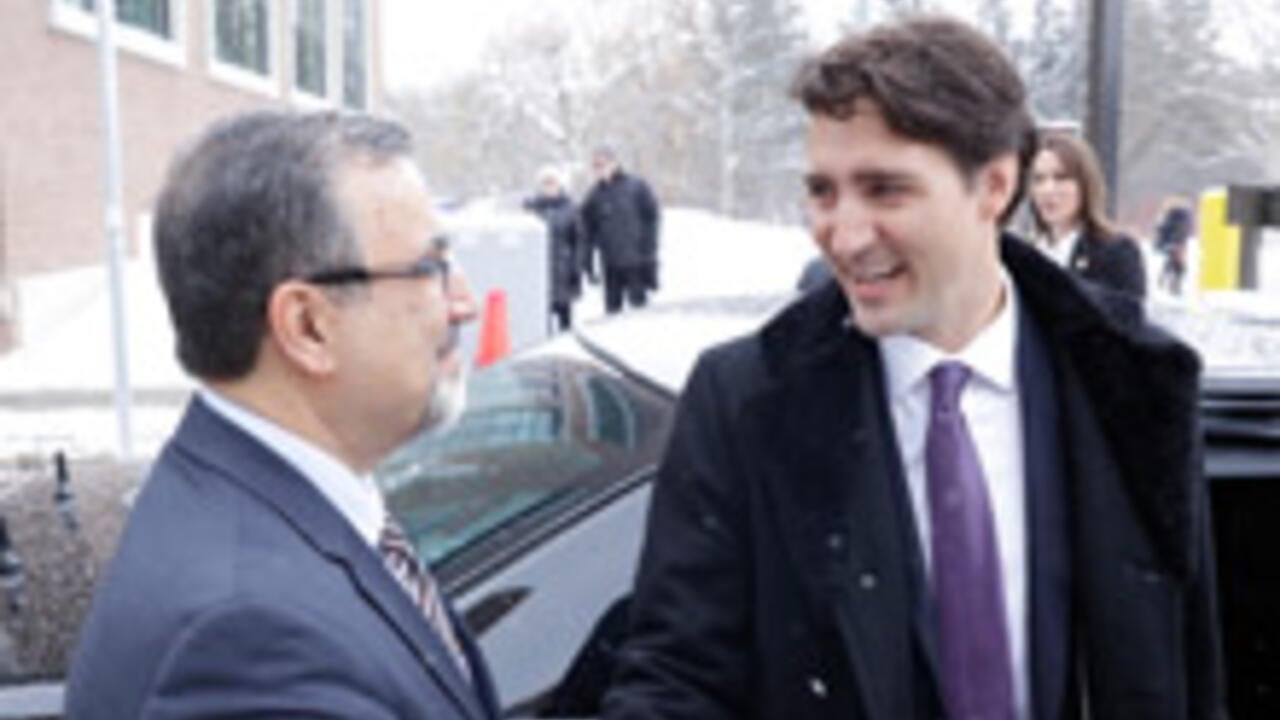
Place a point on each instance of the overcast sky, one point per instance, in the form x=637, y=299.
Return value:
x=427, y=39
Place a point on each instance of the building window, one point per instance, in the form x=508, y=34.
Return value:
x=150, y=28
x=153, y=16
x=355, y=80
x=242, y=34
x=309, y=37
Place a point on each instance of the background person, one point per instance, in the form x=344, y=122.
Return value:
x=259, y=574
x=566, y=249
x=1172, y=238
x=934, y=488
x=1068, y=206
x=622, y=218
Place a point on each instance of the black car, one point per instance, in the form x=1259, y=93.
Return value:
x=531, y=509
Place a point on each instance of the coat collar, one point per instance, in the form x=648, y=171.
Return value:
x=1142, y=382
x=239, y=458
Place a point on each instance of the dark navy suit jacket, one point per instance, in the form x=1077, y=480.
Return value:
x=238, y=591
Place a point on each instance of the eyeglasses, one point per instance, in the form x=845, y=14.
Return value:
x=427, y=266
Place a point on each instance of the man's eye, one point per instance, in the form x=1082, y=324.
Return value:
x=886, y=190
x=819, y=189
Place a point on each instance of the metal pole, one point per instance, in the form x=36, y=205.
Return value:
x=114, y=217
x=1106, y=70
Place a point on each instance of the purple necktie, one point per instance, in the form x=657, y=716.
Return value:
x=967, y=586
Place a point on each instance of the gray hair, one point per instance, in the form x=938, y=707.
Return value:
x=249, y=205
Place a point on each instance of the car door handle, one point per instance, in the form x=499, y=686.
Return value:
x=487, y=611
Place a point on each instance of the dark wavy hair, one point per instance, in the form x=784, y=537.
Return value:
x=935, y=80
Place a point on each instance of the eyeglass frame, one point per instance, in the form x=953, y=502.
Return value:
x=427, y=266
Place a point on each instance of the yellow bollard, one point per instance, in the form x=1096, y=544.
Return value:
x=1219, y=243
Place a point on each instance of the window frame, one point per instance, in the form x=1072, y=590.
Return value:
x=304, y=96
x=75, y=20
x=366, y=60
x=239, y=76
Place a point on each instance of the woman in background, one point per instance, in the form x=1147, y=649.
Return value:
x=1068, y=197
x=566, y=249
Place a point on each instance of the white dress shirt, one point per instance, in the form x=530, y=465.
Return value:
x=1060, y=250
x=990, y=404
x=355, y=497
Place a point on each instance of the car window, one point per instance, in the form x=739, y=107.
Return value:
x=540, y=436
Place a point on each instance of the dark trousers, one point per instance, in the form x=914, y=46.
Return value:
x=629, y=283
x=563, y=315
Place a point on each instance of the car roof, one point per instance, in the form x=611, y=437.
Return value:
x=661, y=343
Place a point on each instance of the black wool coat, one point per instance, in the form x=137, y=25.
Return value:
x=622, y=218
x=778, y=578
x=1111, y=262
x=567, y=251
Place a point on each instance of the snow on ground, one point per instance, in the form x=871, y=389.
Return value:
x=56, y=389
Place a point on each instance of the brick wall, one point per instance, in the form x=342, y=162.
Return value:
x=50, y=148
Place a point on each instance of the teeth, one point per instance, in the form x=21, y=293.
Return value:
x=867, y=275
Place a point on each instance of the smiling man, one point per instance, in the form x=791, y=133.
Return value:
x=259, y=574
x=951, y=482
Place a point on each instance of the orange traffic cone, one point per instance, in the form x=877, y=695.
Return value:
x=495, y=341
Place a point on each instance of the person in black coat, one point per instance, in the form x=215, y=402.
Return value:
x=621, y=217
x=566, y=251
x=817, y=489
x=1173, y=235
x=1068, y=197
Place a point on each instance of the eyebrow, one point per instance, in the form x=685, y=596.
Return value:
x=863, y=177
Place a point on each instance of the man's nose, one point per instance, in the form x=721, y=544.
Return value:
x=851, y=226
x=462, y=303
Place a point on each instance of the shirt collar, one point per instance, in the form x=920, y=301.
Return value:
x=1062, y=250
x=990, y=355
x=355, y=497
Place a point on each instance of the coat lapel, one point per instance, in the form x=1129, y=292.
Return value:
x=836, y=483
x=1142, y=385
x=241, y=459
x=1049, y=591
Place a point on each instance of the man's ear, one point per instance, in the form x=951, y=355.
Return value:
x=302, y=324
x=997, y=182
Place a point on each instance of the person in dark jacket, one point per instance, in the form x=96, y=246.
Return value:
x=1068, y=201
x=621, y=218
x=936, y=486
x=1173, y=235
x=566, y=250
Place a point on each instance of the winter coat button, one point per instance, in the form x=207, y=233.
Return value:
x=868, y=581
x=818, y=687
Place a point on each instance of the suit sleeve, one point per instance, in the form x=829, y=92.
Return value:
x=250, y=661
x=688, y=651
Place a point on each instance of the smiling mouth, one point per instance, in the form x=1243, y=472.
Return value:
x=870, y=275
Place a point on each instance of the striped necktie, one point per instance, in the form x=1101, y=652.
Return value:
x=408, y=570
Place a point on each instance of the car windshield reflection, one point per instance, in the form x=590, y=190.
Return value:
x=539, y=437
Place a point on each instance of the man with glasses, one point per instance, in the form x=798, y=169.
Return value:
x=260, y=574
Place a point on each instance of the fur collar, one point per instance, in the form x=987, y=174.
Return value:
x=1141, y=381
